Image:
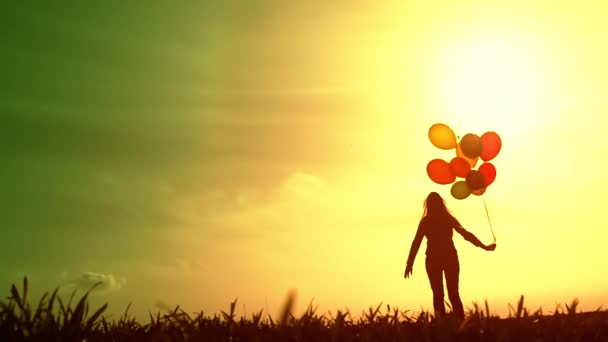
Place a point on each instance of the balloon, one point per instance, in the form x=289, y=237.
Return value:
x=489, y=173
x=471, y=161
x=470, y=145
x=460, y=190
x=490, y=145
x=476, y=180
x=479, y=192
x=460, y=166
x=440, y=171
x=442, y=136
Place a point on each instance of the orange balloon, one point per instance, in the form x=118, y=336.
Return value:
x=489, y=172
x=479, y=192
x=490, y=145
x=471, y=161
x=440, y=171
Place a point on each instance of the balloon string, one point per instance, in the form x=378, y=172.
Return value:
x=488, y=216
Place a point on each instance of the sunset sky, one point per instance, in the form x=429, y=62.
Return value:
x=199, y=152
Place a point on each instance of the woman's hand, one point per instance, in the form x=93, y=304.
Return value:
x=490, y=247
x=408, y=271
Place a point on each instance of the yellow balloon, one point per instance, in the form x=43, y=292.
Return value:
x=442, y=136
x=471, y=161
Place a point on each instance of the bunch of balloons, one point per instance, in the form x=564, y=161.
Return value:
x=468, y=152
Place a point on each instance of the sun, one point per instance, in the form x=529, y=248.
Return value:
x=492, y=84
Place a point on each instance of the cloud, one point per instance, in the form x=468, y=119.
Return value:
x=304, y=185
x=107, y=282
x=173, y=266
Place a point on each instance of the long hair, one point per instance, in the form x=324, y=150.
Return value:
x=434, y=206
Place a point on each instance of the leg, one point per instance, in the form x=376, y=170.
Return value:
x=452, y=271
x=435, y=273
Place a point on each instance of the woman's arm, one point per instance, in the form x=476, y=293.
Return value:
x=472, y=238
x=414, y=249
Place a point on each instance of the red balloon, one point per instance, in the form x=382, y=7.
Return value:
x=489, y=173
x=490, y=145
x=461, y=167
x=476, y=180
x=440, y=171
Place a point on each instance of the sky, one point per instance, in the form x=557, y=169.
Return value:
x=209, y=151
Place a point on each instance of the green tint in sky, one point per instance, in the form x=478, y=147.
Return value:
x=113, y=114
x=109, y=110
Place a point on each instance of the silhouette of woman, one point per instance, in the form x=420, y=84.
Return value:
x=441, y=257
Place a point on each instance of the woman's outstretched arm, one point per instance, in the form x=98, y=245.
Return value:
x=414, y=250
x=472, y=238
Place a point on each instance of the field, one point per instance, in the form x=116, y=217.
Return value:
x=54, y=319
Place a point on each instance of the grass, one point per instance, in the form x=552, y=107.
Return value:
x=55, y=320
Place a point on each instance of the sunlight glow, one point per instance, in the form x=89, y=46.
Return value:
x=492, y=84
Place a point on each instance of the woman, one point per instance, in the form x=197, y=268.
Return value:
x=436, y=224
